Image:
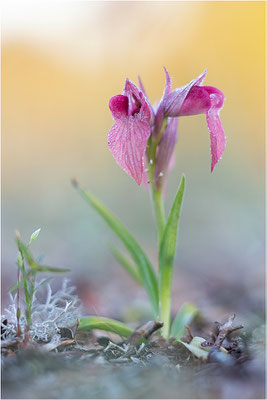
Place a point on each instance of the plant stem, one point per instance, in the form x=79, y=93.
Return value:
x=26, y=292
x=165, y=309
x=156, y=194
x=164, y=292
x=18, y=306
x=159, y=212
x=157, y=201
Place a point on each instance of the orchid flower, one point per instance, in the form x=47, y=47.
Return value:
x=128, y=138
x=136, y=122
x=195, y=99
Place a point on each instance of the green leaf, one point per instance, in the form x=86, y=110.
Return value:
x=34, y=236
x=200, y=352
x=126, y=264
x=185, y=315
x=19, y=258
x=43, y=268
x=42, y=283
x=33, y=264
x=145, y=268
x=17, y=285
x=23, y=280
x=166, y=257
x=105, y=324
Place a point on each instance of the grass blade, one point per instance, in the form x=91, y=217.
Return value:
x=33, y=264
x=126, y=264
x=145, y=269
x=185, y=315
x=18, y=284
x=105, y=324
x=166, y=258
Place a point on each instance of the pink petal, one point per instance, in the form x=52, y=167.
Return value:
x=160, y=111
x=133, y=93
x=165, y=151
x=217, y=135
x=127, y=141
x=137, y=101
x=130, y=89
x=145, y=109
x=171, y=162
x=119, y=106
x=208, y=100
x=168, y=85
x=194, y=99
x=176, y=98
x=197, y=102
x=152, y=115
x=142, y=86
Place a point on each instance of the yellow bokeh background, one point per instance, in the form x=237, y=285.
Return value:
x=61, y=63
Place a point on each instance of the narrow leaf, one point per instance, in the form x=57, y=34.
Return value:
x=33, y=264
x=18, y=284
x=34, y=236
x=166, y=257
x=105, y=324
x=24, y=279
x=184, y=317
x=42, y=283
x=19, y=258
x=43, y=268
x=126, y=264
x=145, y=268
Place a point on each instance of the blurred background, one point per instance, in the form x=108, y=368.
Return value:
x=61, y=63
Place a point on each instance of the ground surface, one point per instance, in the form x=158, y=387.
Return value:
x=97, y=368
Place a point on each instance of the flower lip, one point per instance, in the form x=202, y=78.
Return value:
x=214, y=92
x=199, y=100
x=127, y=139
x=193, y=99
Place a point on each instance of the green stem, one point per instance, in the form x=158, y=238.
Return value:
x=157, y=200
x=156, y=194
x=159, y=212
x=26, y=291
x=164, y=293
x=165, y=308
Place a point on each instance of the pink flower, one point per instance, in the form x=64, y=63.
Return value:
x=135, y=121
x=127, y=139
x=194, y=99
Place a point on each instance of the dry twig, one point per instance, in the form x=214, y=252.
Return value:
x=144, y=331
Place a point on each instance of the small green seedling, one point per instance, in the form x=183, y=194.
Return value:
x=27, y=277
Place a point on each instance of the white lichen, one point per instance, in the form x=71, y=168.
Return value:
x=59, y=310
